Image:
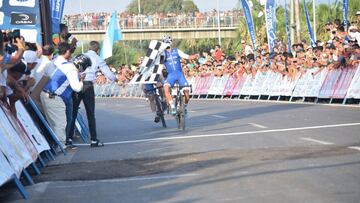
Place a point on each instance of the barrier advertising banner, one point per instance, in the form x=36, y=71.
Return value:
x=230, y=86
x=354, y=89
x=30, y=128
x=218, y=85
x=6, y=171
x=329, y=84
x=259, y=82
x=247, y=87
x=343, y=83
x=12, y=152
x=21, y=134
x=8, y=133
x=314, y=82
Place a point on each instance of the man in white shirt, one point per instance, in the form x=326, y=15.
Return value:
x=45, y=66
x=87, y=95
x=56, y=96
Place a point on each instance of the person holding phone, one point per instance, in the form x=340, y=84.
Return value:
x=8, y=61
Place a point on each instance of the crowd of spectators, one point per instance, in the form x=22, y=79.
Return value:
x=340, y=50
x=98, y=21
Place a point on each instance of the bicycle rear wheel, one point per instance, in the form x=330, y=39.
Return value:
x=160, y=111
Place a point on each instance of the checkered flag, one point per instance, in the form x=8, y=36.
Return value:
x=151, y=67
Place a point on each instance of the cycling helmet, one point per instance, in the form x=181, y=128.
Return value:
x=82, y=62
x=167, y=39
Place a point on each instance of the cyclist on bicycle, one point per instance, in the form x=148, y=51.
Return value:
x=174, y=72
x=150, y=94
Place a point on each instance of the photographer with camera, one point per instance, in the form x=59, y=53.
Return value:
x=65, y=36
x=56, y=95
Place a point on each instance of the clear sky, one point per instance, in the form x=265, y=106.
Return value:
x=73, y=6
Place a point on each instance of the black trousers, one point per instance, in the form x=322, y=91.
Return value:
x=87, y=95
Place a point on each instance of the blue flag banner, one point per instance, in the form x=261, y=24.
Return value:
x=287, y=27
x=56, y=10
x=345, y=10
x=249, y=22
x=311, y=34
x=270, y=23
x=113, y=34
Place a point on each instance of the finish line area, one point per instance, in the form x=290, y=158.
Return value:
x=231, y=151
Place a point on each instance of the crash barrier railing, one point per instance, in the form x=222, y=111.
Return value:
x=23, y=146
x=79, y=24
x=326, y=85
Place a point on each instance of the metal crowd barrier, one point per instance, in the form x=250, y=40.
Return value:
x=339, y=85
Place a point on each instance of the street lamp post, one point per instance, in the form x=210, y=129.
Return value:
x=218, y=19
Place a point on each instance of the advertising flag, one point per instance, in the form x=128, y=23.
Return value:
x=270, y=23
x=249, y=22
x=311, y=34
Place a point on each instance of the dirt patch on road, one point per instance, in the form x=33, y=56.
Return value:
x=181, y=163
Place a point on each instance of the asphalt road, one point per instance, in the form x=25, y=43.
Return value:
x=231, y=151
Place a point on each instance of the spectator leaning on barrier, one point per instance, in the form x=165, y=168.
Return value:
x=57, y=92
x=42, y=72
x=87, y=95
x=18, y=85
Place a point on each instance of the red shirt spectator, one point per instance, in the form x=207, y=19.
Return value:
x=218, y=53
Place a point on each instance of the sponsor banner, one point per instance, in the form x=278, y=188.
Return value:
x=354, y=89
x=207, y=85
x=218, y=85
x=329, y=84
x=23, y=15
x=345, y=13
x=20, y=156
x=25, y=3
x=311, y=34
x=56, y=8
x=249, y=22
x=270, y=23
x=274, y=89
x=22, y=134
x=287, y=28
x=313, y=83
x=11, y=151
x=268, y=83
x=23, y=19
x=230, y=86
x=344, y=82
x=259, y=82
x=6, y=171
x=30, y=128
x=248, y=84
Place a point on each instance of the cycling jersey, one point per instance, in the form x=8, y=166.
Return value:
x=173, y=66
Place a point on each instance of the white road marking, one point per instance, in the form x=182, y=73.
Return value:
x=258, y=125
x=218, y=116
x=228, y=134
x=317, y=141
x=354, y=147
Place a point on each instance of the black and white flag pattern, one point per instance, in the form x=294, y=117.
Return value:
x=151, y=67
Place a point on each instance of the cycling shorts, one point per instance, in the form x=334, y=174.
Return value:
x=176, y=76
